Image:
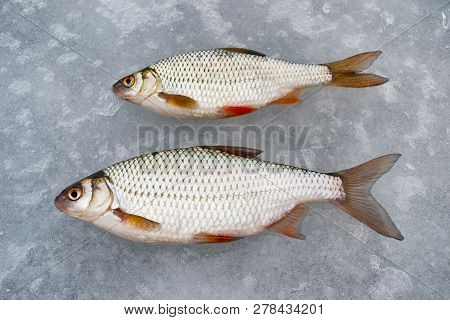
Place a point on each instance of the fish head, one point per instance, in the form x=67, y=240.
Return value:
x=138, y=86
x=87, y=199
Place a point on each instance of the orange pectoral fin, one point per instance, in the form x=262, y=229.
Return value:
x=292, y=97
x=214, y=238
x=233, y=111
x=289, y=223
x=178, y=100
x=135, y=221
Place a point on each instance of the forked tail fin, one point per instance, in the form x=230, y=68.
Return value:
x=346, y=73
x=360, y=203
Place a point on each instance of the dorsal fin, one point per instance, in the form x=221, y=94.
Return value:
x=237, y=151
x=244, y=51
x=288, y=225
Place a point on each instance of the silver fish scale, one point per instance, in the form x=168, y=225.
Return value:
x=194, y=190
x=215, y=78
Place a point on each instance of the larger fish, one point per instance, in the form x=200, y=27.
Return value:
x=218, y=194
x=229, y=82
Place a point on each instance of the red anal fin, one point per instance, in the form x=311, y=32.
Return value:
x=237, y=151
x=233, y=111
x=135, y=221
x=214, y=238
x=293, y=97
x=288, y=225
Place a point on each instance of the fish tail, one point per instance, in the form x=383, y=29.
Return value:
x=360, y=203
x=346, y=73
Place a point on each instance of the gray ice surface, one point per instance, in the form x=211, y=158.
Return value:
x=61, y=122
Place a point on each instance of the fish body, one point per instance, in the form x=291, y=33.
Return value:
x=203, y=194
x=197, y=190
x=229, y=82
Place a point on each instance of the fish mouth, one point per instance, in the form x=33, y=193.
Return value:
x=61, y=203
x=118, y=90
x=124, y=93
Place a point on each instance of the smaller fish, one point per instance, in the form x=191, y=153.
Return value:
x=219, y=194
x=229, y=82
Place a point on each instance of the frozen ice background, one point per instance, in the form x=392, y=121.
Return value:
x=61, y=122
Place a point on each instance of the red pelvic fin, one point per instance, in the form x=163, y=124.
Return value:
x=233, y=111
x=214, y=238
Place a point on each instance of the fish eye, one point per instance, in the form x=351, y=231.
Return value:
x=128, y=81
x=74, y=194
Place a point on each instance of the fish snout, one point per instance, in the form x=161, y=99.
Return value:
x=61, y=202
x=119, y=89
